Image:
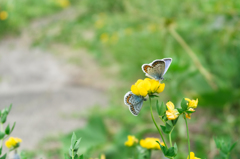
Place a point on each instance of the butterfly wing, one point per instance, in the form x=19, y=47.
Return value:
x=134, y=102
x=168, y=62
x=155, y=69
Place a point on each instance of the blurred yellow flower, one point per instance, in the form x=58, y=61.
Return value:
x=13, y=142
x=128, y=31
x=171, y=113
x=64, y=3
x=104, y=38
x=131, y=141
x=192, y=156
x=152, y=27
x=192, y=103
x=99, y=24
x=150, y=143
x=3, y=15
x=188, y=115
x=102, y=156
x=147, y=86
x=114, y=38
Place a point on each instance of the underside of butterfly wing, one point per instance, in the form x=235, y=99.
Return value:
x=134, y=102
x=155, y=69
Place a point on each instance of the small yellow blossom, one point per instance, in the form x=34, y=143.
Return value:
x=147, y=86
x=171, y=113
x=131, y=141
x=13, y=142
x=128, y=31
x=63, y=3
x=188, y=115
x=102, y=156
x=114, y=38
x=192, y=156
x=3, y=15
x=150, y=143
x=192, y=103
x=104, y=38
x=152, y=27
x=99, y=24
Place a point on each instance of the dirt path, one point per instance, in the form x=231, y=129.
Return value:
x=44, y=89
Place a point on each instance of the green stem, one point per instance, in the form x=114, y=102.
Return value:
x=156, y=124
x=184, y=115
x=72, y=154
x=170, y=139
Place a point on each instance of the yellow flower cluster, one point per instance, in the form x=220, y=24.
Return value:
x=192, y=104
x=192, y=156
x=63, y=3
x=171, y=113
x=151, y=143
x=132, y=140
x=3, y=15
x=13, y=142
x=147, y=86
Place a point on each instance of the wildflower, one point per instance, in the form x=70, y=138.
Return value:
x=188, y=115
x=152, y=27
x=192, y=103
x=192, y=156
x=104, y=37
x=13, y=142
x=99, y=24
x=150, y=143
x=3, y=15
x=114, y=38
x=63, y=3
x=128, y=31
x=102, y=156
x=131, y=141
x=147, y=86
x=171, y=113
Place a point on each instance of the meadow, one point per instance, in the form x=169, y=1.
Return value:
x=201, y=37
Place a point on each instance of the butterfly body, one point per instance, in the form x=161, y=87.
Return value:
x=134, y=102
x=157, y=68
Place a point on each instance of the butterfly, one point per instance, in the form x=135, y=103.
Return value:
x=157, y=68
x=134, y=102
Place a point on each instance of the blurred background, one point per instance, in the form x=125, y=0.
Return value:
x=65, y=65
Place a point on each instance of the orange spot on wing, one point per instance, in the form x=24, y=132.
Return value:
x=129, y=98
x=146, y=68
x=157, y=62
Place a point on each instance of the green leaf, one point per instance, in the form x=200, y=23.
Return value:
x=2, y=134
x=76, y=146
x=163, y=148
x=184, y=104
x=232, y=147
x=190, y=112
x=175, y=148
x=160, y=109
x=7, y=130
x=73, y=139
x=174, y=122
x=80, y=157
x=66, y=156
x=13, y=127
x=166, y=129
x=152, y=96
x=4, y=156
x=171, y=152
x=0, y=150
x=9, y=108
x=0, y=113
x=180, y=110
x=4, y=117
x=70, y=152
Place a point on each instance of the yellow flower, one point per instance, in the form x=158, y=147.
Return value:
x=114, y=38
x=128, y=31
x=131, y=141
x=13, y=142
x=147, y=86
x=150, y=143
x=192, y=103
x=171, y=113
x=102, y=156
x=3, y=15
x=192, y=156
x=188, y=115
x=99, y=24
x=104, y=38
x=64, y=3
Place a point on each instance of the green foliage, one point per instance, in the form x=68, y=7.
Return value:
x=225, y=147
x=75, y=144
x=160, y=109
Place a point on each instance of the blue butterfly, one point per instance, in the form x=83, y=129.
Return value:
x=134, y=102
x=157, y=68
